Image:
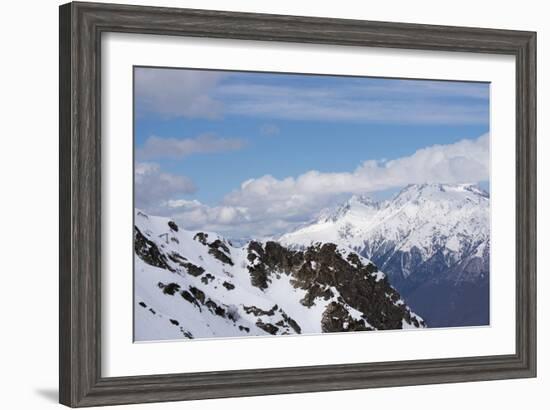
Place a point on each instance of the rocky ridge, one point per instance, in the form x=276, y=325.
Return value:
x=197, y=284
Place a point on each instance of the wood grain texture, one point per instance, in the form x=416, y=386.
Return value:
x=81, y=26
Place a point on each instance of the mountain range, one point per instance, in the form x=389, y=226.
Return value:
x=198, y=284
x=420, y=259
x=432, y=240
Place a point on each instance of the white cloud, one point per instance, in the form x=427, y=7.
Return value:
x=269, y=129
x=464, y=161
x=398, y=102
x=153, y=186
x=177, y=92
x=182, y=203
x=193, y=214
x=267, y=205
x=157, y=147
x=191, y=93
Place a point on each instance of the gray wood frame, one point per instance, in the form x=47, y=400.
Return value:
x=81, y=27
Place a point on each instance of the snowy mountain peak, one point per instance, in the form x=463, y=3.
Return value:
x=364, y=207
x=440, y=192
x=453, y=218
x=356, y=205
x=362, y=200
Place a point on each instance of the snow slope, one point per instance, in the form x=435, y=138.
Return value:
x=193, y=285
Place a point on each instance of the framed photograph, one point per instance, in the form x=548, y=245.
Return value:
x=259, y=204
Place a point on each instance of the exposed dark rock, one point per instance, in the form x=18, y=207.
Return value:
x=216, y=253
x=206, y=279
x=267, y=327
x=275, y=257
x=255, y=250
x=194, y=270
x=197, y=293
x=220, y=251
x=372, y=268
x=257, y=269
x=219, y=311
x=201, y=237
x=316, y=291
x=152, y=311
x=174, y=322
x=190, y=298
x=258, y=276
x=218, y=244
x=228, y=286
x=213, y=306
x=173, y=226
x=256, y=311
x=190, y=268
x=354, y=258
x=246, y=329
x=336, y=318
x=292, y=323
x=321, y=267
x=356, y=285
x=148, y=251
x=142, y=304
x=232, y=316
x=177, y=258
x=169, y=289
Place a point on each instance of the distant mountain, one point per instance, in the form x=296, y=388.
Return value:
x=197, y=284
x=432, y=240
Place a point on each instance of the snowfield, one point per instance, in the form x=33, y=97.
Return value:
x=197, y=285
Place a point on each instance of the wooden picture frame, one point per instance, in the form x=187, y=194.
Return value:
x=81, y=27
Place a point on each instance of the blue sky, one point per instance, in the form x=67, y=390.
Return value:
x=199, y=135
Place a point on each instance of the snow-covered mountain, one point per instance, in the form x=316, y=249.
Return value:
x=197, y=284
x=432, y=240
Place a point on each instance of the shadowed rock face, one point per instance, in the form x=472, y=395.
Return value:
x=169, y=289
x=459, y=304
x=268, y=327
x=337, y=319
x=149, y=251
x=322, y=269
x=218, y=248
x=444, y=293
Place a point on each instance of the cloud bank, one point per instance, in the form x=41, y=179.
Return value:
x=157, y=147
x=177, y=92
x=402, y=102
x=152, y=186
x=267, y=205
x=212, y=95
